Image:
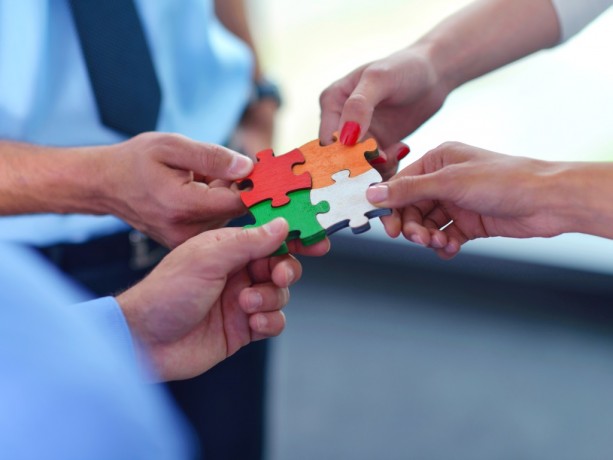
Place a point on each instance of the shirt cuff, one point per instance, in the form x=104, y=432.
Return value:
x=574, y=15
x=107, y=316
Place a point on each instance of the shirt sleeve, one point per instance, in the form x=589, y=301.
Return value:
x=69, y=385
x=106, y=314
x=574, y=15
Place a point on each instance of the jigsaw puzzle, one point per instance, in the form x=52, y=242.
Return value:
x=317, y=189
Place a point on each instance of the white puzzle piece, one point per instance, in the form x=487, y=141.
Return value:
x=348, y=203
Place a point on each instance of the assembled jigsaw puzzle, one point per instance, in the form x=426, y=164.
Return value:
x=317, y=189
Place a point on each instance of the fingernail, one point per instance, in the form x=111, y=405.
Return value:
x=262, y=322
x=377, y=193
x=350, y=133
x=254, y=300
x=290, y=276
x=417, y=239
x=378, y=161
x=276, y=226
x=241, y=166
x=403, y=152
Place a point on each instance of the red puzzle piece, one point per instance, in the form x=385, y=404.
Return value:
x=273, y=179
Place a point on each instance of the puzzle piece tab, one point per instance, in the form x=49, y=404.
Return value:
x=272, y=178
x=301, y=215
x=348, y=203
x=322, y=161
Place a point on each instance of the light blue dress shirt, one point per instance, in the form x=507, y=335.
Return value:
x=69, y=384
x=46, y=97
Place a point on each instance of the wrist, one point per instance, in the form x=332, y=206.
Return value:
x=582, y=191
x=265, y=89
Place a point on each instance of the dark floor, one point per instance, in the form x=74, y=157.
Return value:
x=392, y=354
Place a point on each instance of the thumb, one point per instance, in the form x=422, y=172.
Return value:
x=208, y=160
x=407, y=190
x=233, y=248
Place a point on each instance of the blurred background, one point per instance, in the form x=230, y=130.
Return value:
x=504, y=352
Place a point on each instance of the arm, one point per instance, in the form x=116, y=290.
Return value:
x=457, y=193
x=256, y=129
x=59, y=364
x=233, y=15
x=148, y=181
x=390, y=98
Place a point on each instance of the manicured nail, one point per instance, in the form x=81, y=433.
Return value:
x=350, y=133
x=378, y=161
x=403, y=152
x=377, y=193
x=241, y=166
x=276, y=226
x=254, y=300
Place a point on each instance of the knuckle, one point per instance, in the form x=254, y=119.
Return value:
x=170, y=141
x=376, y=74
x=327, y=96
x=214, y=157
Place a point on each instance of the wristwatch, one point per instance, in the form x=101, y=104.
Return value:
x=265, y=89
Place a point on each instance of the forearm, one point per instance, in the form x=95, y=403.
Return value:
x=488, y=34
x=233, y=15
x=36, y=179
x=581, y=196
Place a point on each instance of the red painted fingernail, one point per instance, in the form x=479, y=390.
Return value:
x=378, y=161
x=350, y=133
x=403, y=152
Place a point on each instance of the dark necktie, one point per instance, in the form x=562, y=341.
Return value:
x=119, y=64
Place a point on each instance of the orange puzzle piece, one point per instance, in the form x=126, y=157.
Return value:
x=323, y=161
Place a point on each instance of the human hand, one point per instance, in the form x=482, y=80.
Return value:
x=456, y=193
x=211, y=296
x=386, y=99
x=171, y=187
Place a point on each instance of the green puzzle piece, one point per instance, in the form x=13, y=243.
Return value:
x=299, y=213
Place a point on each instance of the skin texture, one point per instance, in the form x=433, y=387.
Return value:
x=164, y=185
x=211, y=296
x=390, y=98
x=457, y=193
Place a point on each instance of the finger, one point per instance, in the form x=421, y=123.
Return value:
x=407, y=190
x=227, y=250
x=318, y=249
x=207, y=160
x=398, y=151
x=263, y=298
x=385, y=165
x=331, y=102
x=203, y=203
x=358, y=110
x=265, y=325
x=416, y=233
x=283, y=271
x=436, y=218
x=392, y=223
